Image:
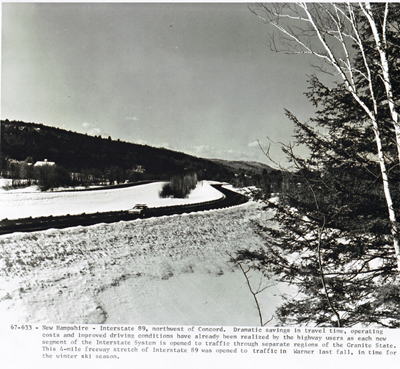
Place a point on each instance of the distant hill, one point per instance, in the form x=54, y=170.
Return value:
x=78, y=152
x=247, y=167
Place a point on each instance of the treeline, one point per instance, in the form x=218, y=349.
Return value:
x=273, y=181
x=46, y=176
x=96, y=160
x=50, y=176
x=80, y=153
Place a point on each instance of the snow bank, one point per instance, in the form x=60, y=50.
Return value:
x=17, y=204
x=5, y=182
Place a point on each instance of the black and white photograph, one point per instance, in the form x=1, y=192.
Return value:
x=202, y=164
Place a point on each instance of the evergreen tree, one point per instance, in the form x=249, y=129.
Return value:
x=327, y=31
x=332, y=235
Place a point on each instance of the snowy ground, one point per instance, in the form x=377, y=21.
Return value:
x=26, y=202
x=167, y=270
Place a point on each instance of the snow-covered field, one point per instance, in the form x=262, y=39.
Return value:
x=167, y=270
x=26, y=202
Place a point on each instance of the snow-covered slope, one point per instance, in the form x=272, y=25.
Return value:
x=162, y=270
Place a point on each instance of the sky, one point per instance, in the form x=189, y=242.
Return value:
x=196, y=78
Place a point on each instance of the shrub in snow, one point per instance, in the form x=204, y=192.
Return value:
x=180, y=186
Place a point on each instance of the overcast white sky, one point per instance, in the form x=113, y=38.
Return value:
x=197, y=78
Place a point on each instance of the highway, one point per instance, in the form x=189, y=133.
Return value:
x=229, y=199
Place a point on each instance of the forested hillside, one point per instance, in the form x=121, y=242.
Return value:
x=80, y=152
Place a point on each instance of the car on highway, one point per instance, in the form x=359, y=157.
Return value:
x=139, y=209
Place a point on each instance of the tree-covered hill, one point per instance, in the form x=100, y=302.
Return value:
x=247, y=167
x=78, y=152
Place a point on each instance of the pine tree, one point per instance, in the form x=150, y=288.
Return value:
x=332, y=236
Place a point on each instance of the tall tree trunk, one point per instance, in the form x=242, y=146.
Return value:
x=388, y=196
x=381, y=45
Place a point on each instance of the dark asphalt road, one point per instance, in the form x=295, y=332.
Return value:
x=230, y=198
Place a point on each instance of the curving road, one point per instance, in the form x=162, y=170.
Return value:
x=230, y=198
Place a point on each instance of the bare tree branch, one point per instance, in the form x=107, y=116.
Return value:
x=252, y=291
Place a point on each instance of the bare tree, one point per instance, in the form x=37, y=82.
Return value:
x=334, y=33
x=255, y=291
